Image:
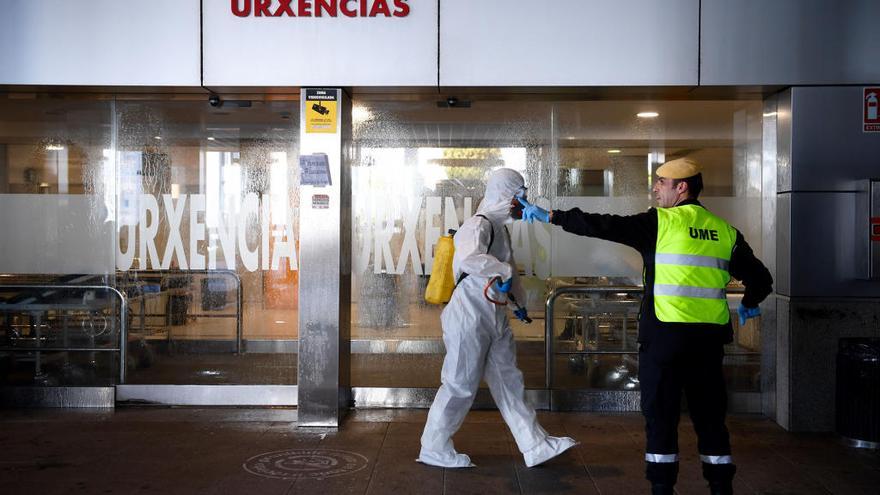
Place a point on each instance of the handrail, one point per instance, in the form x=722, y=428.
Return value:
x=123, y=333
x=582, y=289
x=239, y=300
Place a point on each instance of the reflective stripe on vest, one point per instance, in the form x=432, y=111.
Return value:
x=691, y=265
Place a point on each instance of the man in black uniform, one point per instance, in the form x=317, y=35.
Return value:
x=689, y=256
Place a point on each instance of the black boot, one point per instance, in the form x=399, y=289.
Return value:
x=723, y=488
x=720, y=478
x=661, y=489
x=662, y=476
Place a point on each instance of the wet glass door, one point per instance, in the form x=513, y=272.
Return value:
x=420, y=169
x=161, y=230
x=207, y=212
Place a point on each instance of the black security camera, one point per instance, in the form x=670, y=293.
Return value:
x=215, y=101
x=453, y=102
x=321, y=109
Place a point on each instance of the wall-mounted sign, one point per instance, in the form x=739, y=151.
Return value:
x=321, y=110
x=320, y=8
x=314, y=43
x=320, y=202
x=870, y=115
x=314, y=170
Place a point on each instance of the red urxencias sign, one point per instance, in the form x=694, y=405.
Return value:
x=320, y=8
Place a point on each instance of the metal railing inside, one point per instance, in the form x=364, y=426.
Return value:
x=39, y=319
x=143, y=287
x=601, y=323
x=59, y=329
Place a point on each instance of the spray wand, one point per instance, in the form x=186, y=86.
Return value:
x=518, y=310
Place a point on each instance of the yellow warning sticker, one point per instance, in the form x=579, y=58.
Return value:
x=321, y=106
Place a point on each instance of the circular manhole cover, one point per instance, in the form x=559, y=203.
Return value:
x=305, y=464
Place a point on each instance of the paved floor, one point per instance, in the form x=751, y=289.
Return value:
x=193, y=451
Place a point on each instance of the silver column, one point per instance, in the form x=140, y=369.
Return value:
x=324, y=385
x=823, y=296
x=4, y=170
x=769, y=176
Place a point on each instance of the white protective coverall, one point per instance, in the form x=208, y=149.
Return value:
x=479, y=341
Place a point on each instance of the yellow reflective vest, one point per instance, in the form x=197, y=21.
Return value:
x=691, y=265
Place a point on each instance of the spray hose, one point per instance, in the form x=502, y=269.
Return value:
x=488, y=297
x=518, y=310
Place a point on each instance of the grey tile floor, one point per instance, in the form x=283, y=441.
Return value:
x=249, y=451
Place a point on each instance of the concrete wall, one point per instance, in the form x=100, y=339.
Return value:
x=485, y=43
x=809, y=331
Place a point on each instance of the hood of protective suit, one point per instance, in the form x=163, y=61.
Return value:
x=502, y=186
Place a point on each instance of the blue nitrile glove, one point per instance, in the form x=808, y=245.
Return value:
x=532, y=212
x=503, y=287
x=746, y=313
x=521, y=314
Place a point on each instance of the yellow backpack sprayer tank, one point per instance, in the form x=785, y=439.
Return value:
x=442, y=282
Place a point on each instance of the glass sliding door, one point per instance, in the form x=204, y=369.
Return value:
x=207, y=220
x=166, y=220
x=59, y=315
x=420, y=170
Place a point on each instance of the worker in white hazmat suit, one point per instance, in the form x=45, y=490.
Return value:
x=479, y=341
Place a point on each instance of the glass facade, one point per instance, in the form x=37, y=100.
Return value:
x=189, y=213
x=187, y=210
x=420, y=170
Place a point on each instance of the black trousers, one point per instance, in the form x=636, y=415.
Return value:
x=692, y=366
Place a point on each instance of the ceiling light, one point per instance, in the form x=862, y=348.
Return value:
x=211, y=138
x=647, y=115
x=54, y=147
x=159, y=138
x=614, y=152
x=769, y=114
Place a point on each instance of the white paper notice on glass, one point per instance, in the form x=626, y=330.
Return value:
x=314, y=170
